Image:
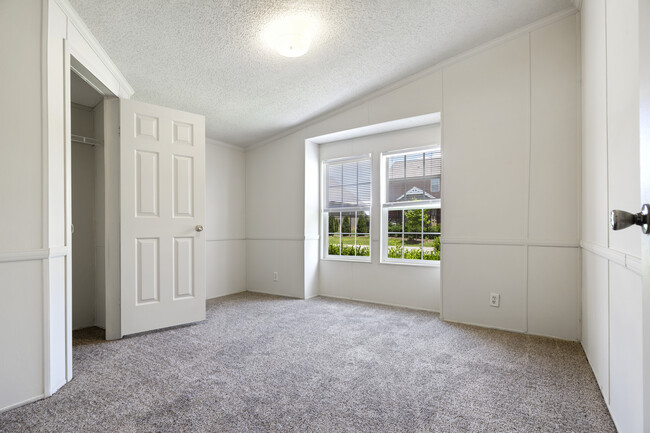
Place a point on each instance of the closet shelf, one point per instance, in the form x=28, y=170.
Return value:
x=85, y=140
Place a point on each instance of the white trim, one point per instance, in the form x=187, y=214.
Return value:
x=378, y=128
x=366, y=301
x=226, y=239
x=347, y=259
x=634, y=264
x=22, y=403
x=436, y=203
x=434, y=147
x=628, y=261
x=59, y=252
x=219, y=143
x=412, y=262
x=73, y=18
x=508, y=242
x=30, y=255
x=405, y=81
x=24, y=256
x=281, y=295
x=363, y=157
x=277, y=238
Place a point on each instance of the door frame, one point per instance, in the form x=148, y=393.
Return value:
x=644, y=161
x=67, y=43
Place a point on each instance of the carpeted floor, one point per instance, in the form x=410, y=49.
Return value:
x=268, y=364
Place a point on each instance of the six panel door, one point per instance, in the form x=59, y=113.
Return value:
x=162, y=175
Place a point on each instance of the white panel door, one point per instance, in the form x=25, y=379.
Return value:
x=162, y=176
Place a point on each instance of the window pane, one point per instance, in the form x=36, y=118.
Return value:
x=396, y=191
x=432, y=220
x=347, y=245
x=365, y=171
x=415, y=191
x=414, y=165
x=363, y=222
x=394, y=245
x=348, y=223
x=413, y=220
x=395, y=221
x=350, y=173
x=432, y=164
x=334, y=196
x=349, y=195
x=363, y=245
x=413, y=246
x=334, y=173
x=431, y=247
x=396, y=167
x=365, y=194
x=334, y=222
x=334, y=245
x=432, y=187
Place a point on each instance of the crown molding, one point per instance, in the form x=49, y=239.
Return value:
x=125, y=88
x=219, y=143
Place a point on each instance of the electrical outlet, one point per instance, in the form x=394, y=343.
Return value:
x=275, y=276
x=494, y=299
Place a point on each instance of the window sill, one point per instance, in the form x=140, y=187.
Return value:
x=349, y=260
x=431, y=264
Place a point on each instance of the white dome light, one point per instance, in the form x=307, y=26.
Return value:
x=290, y=36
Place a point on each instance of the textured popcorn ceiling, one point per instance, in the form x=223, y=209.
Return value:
x=209, y=57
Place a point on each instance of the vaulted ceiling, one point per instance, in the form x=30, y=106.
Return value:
x=209, y=57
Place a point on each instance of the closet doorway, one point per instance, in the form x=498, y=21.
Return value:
x=87, y=193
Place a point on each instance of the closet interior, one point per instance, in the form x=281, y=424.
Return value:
x=88, y=222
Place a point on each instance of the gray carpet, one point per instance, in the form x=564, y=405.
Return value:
x=267, y=364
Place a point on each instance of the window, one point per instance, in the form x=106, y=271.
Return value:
x=411, y=206
x=346, y=211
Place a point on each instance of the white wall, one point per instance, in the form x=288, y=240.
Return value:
x=417, y=286
x=510, y=161
x=21, y=194
x=35, y=329
x=611, y=282
x=511, y=211
x=225, y=221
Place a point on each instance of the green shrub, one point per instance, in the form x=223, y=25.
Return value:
x=413, y=254
x=346, y=227
x=333, y=223
x=362, y=223
x=348, y=250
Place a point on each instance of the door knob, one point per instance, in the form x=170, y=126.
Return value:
x=619, y=219
x=199, y=228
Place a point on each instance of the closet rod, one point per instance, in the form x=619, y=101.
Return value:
x=85, y=140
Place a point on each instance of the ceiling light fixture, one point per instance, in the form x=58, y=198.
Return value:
x=290, y=36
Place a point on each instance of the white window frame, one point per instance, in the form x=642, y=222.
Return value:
x=324, y=211
x=421, y=204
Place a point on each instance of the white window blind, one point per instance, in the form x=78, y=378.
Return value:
x=348, y=184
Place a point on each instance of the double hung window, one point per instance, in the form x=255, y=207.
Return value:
x=347, y=206
x=411, y=206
